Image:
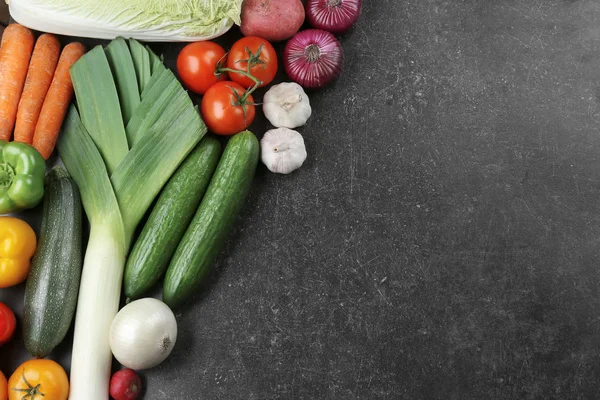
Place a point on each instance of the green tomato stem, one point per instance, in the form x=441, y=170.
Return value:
x=247, y=74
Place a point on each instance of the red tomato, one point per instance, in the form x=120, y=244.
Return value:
x=8, y=322
x=223, y=111
x=196, y=65
x=262, y=58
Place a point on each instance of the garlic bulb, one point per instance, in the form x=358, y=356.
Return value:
x=286, y=105
x=282, y=150
x=143, y=333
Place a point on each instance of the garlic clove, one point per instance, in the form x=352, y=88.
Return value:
x=286, y=105
x=282, y=150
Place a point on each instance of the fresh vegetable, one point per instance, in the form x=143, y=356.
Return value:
x=273, y=20
x=282, y=150
x=119, y=173
x=57, y=101
x=313, y=58
x=125, y=384
x=204, y=238
x=3, y=387
x=17, y=246
x=335, y=16
x=141, y=63
x=227, y=109
x=124, y=67
x=8, y=323
x=53, y=283
x=22, y=171
x=39, y=76
x=38, y=380
x=143, y=334
x=147, y=20
x=15, y=52
x=174, y=209
x=286, y=105
x=197, y=65
x=255, y=56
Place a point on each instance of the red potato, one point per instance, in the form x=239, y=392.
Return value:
x=273, y=20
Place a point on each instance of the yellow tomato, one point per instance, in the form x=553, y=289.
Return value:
x=3, y=387
x=39, y=379
x=17, y=245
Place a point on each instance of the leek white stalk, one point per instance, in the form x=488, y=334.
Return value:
x=147, y=20
x=100, y=285
x=116, y=188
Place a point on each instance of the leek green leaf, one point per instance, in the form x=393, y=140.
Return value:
x=81, y=157
x=99, y=106
x=121, y=65
x=156, y=62
x=141, y=61
x=163, y=96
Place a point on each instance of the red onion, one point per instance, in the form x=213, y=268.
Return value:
x=313, y=58
x=336, y=16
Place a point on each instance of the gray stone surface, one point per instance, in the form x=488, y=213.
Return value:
x=441, y=241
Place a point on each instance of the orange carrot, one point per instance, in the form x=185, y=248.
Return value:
x=15, y=52
x=57, y=101
x=39, y=76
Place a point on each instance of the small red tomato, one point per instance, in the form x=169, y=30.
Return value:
x=224, y=109
x=8, y=323
x=197, y=63
x=261, y=56
x=125, y=384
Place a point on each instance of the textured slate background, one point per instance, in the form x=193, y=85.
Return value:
x=441, y=241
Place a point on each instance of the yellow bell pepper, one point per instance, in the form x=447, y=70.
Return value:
x=17, y=245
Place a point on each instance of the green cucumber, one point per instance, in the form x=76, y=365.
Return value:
x=206, y=235
x=171, y=215
x=53, y=282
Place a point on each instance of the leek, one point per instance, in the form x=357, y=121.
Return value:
x=122, y=67
x=155, y=61
x=141, y=61
x=97, y=98
x=146, y=20
x=116, y=191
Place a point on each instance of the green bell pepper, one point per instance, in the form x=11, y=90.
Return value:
x=22, y=173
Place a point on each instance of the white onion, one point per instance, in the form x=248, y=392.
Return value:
x=143, y=334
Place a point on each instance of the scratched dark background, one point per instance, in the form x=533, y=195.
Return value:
x=442, y=239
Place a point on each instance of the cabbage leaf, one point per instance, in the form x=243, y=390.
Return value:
x=146, y=20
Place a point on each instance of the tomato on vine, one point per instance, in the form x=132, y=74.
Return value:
x=197, y=65
x=227, y=108
x=255, y=56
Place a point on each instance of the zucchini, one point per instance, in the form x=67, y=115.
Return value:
x=53, y=283
x=204, y=238
x=171, y=215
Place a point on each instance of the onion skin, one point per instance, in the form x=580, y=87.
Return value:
x=313, y=58
x=335, y=16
